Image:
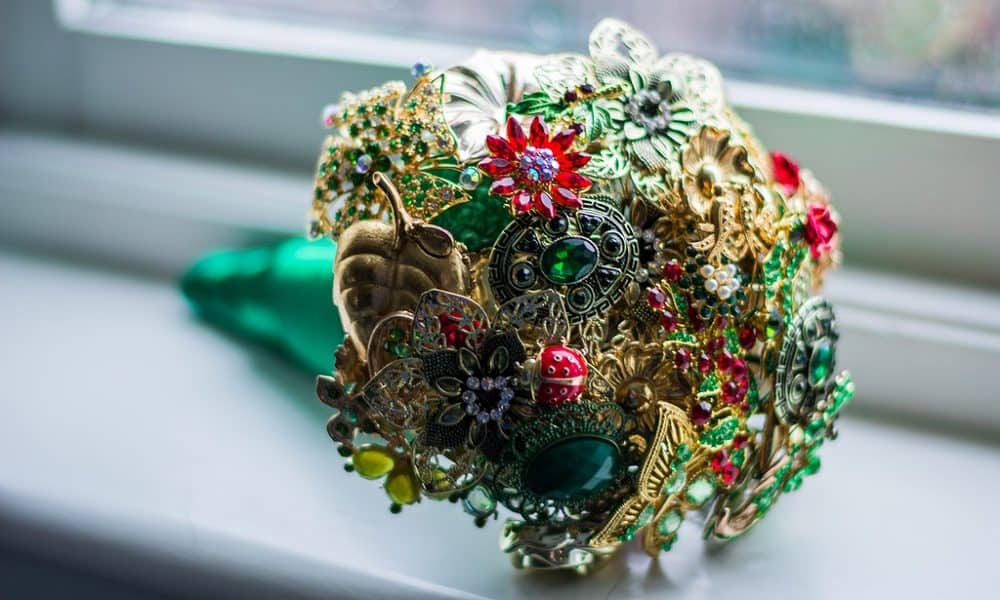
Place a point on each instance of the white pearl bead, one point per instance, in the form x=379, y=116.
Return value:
x=707, y=270
x=722, y=276
x=731, y=269
x=725, y=292
x=711, y=285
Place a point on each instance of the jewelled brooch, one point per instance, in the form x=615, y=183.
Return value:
x=579, y=295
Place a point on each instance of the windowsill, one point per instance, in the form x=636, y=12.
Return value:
x=201, y=465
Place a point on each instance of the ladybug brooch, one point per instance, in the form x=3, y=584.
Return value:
x=562, y=374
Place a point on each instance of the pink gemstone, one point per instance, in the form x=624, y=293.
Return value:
x=656, y=298
x=673, y=271
x=725, y=361
x=739, y=370
x=701, y=413
x=731, y=393
x=682, y=358
x=748, y=337
x=729, y=473
x=668, y=321
x=704, y=363
x=740, y=441
x=720, y=460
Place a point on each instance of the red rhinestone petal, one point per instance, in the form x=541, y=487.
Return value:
x=503, y=187
x=495, y=166
x=515, y=134
x=575, y=160
x=539, y=133
x=500, y=147
x=522, y=201
x=748, y=337
x=567, y=198
x=573, y=180
x=544, y=204
x=562, y=140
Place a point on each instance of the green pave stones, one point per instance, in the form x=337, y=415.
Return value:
x=574, y=467
x=569, y=260
x=700, y=490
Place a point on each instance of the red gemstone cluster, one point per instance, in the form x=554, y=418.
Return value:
x=536, y=171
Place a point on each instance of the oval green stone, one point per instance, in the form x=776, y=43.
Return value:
x=569, y=260
x=821, y=362
x=573, y=467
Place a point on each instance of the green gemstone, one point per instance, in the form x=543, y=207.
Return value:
x=700, y=490
x=675, y=483
x=669, y=524
x=644, y=517
x=569, y=260
x=479, y=501
x=475, y=223
x=821, y=362
x=683, y=452
x=573, y=468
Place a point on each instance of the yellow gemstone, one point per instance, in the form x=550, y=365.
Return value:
x=373, y=462
x=402, y=488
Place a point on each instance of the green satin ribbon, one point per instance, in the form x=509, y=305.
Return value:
x=279, y=295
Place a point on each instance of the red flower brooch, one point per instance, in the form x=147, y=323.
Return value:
x=819, y=229
x=535, y=171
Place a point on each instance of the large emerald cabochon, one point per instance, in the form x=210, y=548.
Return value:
x=573, y=467
x=569, y=260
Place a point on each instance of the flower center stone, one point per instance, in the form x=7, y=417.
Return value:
x=539, y=164
x=650, y=110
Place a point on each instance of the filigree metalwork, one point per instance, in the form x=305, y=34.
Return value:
x=673, y=430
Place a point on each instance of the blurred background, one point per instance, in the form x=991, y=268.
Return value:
x=145, y=453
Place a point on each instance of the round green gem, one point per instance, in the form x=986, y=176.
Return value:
x=569, y=260
x=479, y=502
x=573, y=468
